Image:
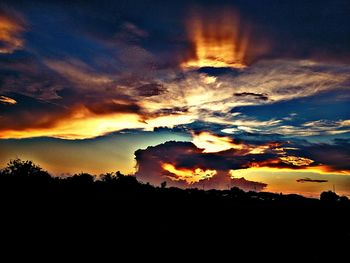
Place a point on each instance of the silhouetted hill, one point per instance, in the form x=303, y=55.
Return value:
x=118, y=207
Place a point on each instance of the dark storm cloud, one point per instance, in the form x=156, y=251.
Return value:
x=309, y=180
x=336, y=155
x=187, y=156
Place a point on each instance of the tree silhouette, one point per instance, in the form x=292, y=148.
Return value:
x=344, y=200
x=108, y=177
x=20, y=168
x=329, y=197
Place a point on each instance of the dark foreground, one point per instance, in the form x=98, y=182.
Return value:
x=119, y=216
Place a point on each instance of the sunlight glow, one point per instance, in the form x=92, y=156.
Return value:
x=83, y=124
x=218, y=41
x=190, y=176
x=211, y=143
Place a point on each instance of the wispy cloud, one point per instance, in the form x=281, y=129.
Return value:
x=12, y=27
x=313, y=128
x=156, y=99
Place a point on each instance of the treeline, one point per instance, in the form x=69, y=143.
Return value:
x=24, y=179
x=117, y=213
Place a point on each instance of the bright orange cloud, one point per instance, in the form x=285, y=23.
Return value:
x=221, y=38
x=218, y=41
x=83, y=123
x=296, y=161
x=188, y=175
x=7, y=100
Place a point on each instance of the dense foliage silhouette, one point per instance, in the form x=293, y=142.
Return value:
x=119, y=206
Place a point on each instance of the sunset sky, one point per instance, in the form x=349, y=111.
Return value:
x=207, y=94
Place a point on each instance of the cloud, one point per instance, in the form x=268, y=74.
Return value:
x=113, y=106
x=184, y=163
x=28, y=76
x=217, y=39
x=257, y=96
x=211, y=143
x=296, y=160
x=119, y=69
x=7, y=100
x=76, y=121
x=256, y=24
x=79, y=73
x=336, y=155
x=150, y=89
x=87, y=119
x=275, y=80
x=312, y=128
x=131, y=29
x=309, y=180
x=12, y=27
x=169, y=98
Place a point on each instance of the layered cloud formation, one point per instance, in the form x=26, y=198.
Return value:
x=184, y=165
x=81, y=95
x=211, y=161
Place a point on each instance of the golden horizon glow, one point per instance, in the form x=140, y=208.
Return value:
x=188, y=175
x=284, y=180
x=218, y=41
x=83, y=124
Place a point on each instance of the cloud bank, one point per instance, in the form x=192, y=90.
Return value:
x=183, y=164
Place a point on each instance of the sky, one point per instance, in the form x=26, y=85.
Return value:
x=207, y=94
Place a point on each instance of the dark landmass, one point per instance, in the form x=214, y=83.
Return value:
x=117, y=214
